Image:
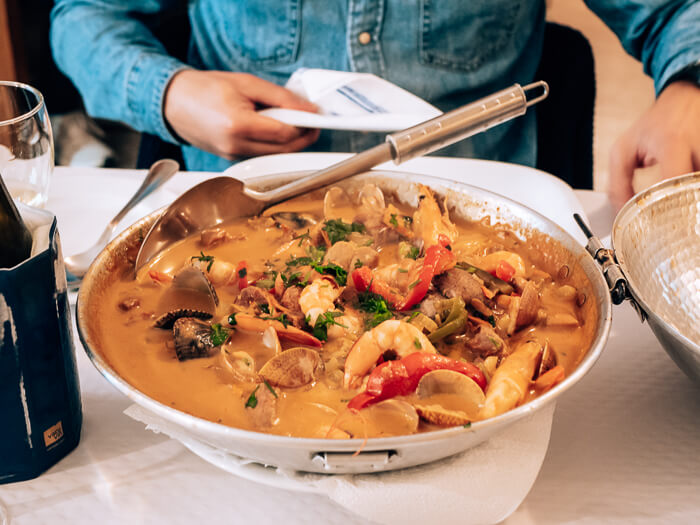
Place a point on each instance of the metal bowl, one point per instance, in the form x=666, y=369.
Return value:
x=377, y=454
x=656, y=238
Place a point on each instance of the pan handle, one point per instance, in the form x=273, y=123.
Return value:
x=344, y=462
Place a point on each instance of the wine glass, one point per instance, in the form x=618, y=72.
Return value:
x=26, y=143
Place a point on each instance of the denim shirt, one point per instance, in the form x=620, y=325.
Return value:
x=449, y=52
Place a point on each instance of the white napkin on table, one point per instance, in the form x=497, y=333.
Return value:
x=352, y=101
x=482, y=485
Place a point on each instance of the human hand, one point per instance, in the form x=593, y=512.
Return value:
x=667, y=134
x=216, y=111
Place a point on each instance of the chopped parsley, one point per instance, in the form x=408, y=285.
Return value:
x=414, y=284
x=252, y=400
x=358, y=263
x=338, y=230
x=403, y=270
x=282, y=318
x=376, y=305
x=270, y=388
x=302, y=237
x=242, y=272
x=467, y=425
x=417, y=344
x=393, y=221
x=232, y=319
x=218, y=334
x=413, y=253
x=495, y=342
x=323, y=321
x=492, y=320
x=204, y=258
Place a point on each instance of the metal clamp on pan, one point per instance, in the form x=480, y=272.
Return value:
x=619, y=290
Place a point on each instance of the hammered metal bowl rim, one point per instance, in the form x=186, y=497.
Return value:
x=627, y=214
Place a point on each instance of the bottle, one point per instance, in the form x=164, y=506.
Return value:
x=15, y=237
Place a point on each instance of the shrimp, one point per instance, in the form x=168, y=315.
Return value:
x=492, y=260
x=318, y=297
x=401, y=337
x=401, y=274
x=431, y=225
x=511, y=380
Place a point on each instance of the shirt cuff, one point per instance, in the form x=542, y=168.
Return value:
x=676, y=68
x=145, y=92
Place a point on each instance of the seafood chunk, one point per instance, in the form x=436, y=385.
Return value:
x=192, y=338
x=430, y=224
x=261, y=406
x=290, y=333
x=529, y=305
x=394, y=336
x=486, y=342
x=459, y=283
x=511, y=380
x=349, y=255
x=317, y=298
x=293, y=368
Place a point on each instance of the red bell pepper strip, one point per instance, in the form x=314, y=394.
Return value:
x=400, y=378
x=504, y=271
x=363, y=279
x=437, y=260
x=242, y=273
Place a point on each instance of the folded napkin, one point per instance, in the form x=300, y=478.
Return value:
x=352, y=101
x=482, y=485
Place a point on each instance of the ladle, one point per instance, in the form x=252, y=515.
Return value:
x=222, y=199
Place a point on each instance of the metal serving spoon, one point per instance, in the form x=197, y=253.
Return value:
x=77, y=265
x=221, y=199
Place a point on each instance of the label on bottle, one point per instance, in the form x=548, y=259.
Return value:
x=53, y=435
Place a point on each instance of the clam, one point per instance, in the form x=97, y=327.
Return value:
x=293, y=368
x=336, y=205
x=194, y=279
x=448, y=398
x=239, y=363
x=167, y=320
x=548, y=360
x=192, y=338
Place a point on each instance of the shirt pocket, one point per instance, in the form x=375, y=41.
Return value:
x=463, y=35
x=260, y=33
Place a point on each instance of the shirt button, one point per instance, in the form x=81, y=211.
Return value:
x=364, y=38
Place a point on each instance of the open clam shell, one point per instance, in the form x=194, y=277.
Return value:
x=292, y=368
x=448, y=398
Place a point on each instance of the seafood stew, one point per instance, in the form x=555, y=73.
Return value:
x=349, y=315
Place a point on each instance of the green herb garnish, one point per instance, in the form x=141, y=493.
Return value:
x=270, y=388
x=417, y=344
x=323, y=321
x=264, y=307
x=375, y=304
x=232, y=320
x=414, y=284
x=242, y=273
x=338, y=230
x=282, y=318
x=252, y=400
x=204, y=258
x=302, y=237
x=393, y=221
x=467, y=425
x=218, y=334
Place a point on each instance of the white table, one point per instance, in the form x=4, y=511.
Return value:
x=624, y=447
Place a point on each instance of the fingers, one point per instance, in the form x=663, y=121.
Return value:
x=245, y=147
x=272, y=95
x=623, y=161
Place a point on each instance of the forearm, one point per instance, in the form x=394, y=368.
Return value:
x=119, y=67
x=663, y=34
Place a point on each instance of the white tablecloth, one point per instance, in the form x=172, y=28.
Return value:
x=624, y=445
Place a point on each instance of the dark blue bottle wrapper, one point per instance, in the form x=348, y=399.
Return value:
x=40, y=410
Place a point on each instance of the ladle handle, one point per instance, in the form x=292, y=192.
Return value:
x=464, y=122
x=422, y=139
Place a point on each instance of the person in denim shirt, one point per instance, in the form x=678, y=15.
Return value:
x=449, y=52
